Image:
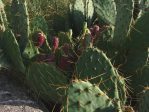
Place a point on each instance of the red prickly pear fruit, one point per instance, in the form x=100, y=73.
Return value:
x=41, y=39
x=38, y=38
x=55, y=43
x=94, y=30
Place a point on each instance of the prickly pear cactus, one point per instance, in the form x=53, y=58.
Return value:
x=87, y=41
x=81, y=11
x=89, y=11
x=30, y=51
x=39, y=23
x=139, y=79
x=20, y=22
x=106, y=10
x=3, y=18
x=47, y=81
x=137, y=54
x=144, y=6
x=111, y=13
x=123, y=22
x=144, y=102
x=39, y=40
x=93, y=65
x=139, y=34
x=77, y=15
x=85, y=97
x=12, y=51
x=3, y=60
x=64, y=39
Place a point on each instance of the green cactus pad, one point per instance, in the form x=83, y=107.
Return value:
x=47, y=81
x=30, y=51
x=136, y=59
x=95, y=66
x=77, y=16
x=144, y=101
x=140, y=79
x=89, y=11
x=20, y=22
x=3, y=18
x=106, y=10
x=11, y=49
x=39, y=23
x=64, y=38
x=137, y=54
x=123, y=22
x=85, y=97
x=87, y=41
x=81, y=11
x=3, y=60
x=144, y=7
x=139, y=34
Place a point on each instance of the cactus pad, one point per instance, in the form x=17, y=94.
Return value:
x=47, y=81
x=106, y=10
x=20, y=22
x=39, y=23
x=85, y=97
x=144, y=102
x=123, y=22
x=95, y=66
x=12, y=51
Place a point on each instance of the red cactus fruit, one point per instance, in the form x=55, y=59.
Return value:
x=55, y=43
x=38, y=38
x=94, y=30
x=41, y=39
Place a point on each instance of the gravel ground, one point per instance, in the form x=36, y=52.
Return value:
x=14, y=98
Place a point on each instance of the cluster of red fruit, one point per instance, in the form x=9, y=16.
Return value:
x=39, y=39
x=64, y=61
x=94, y=30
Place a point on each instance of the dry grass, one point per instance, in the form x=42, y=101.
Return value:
x=47, y=8
x=54, y=11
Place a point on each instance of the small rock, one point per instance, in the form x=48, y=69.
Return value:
x=14, y=98
x=21, y=108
